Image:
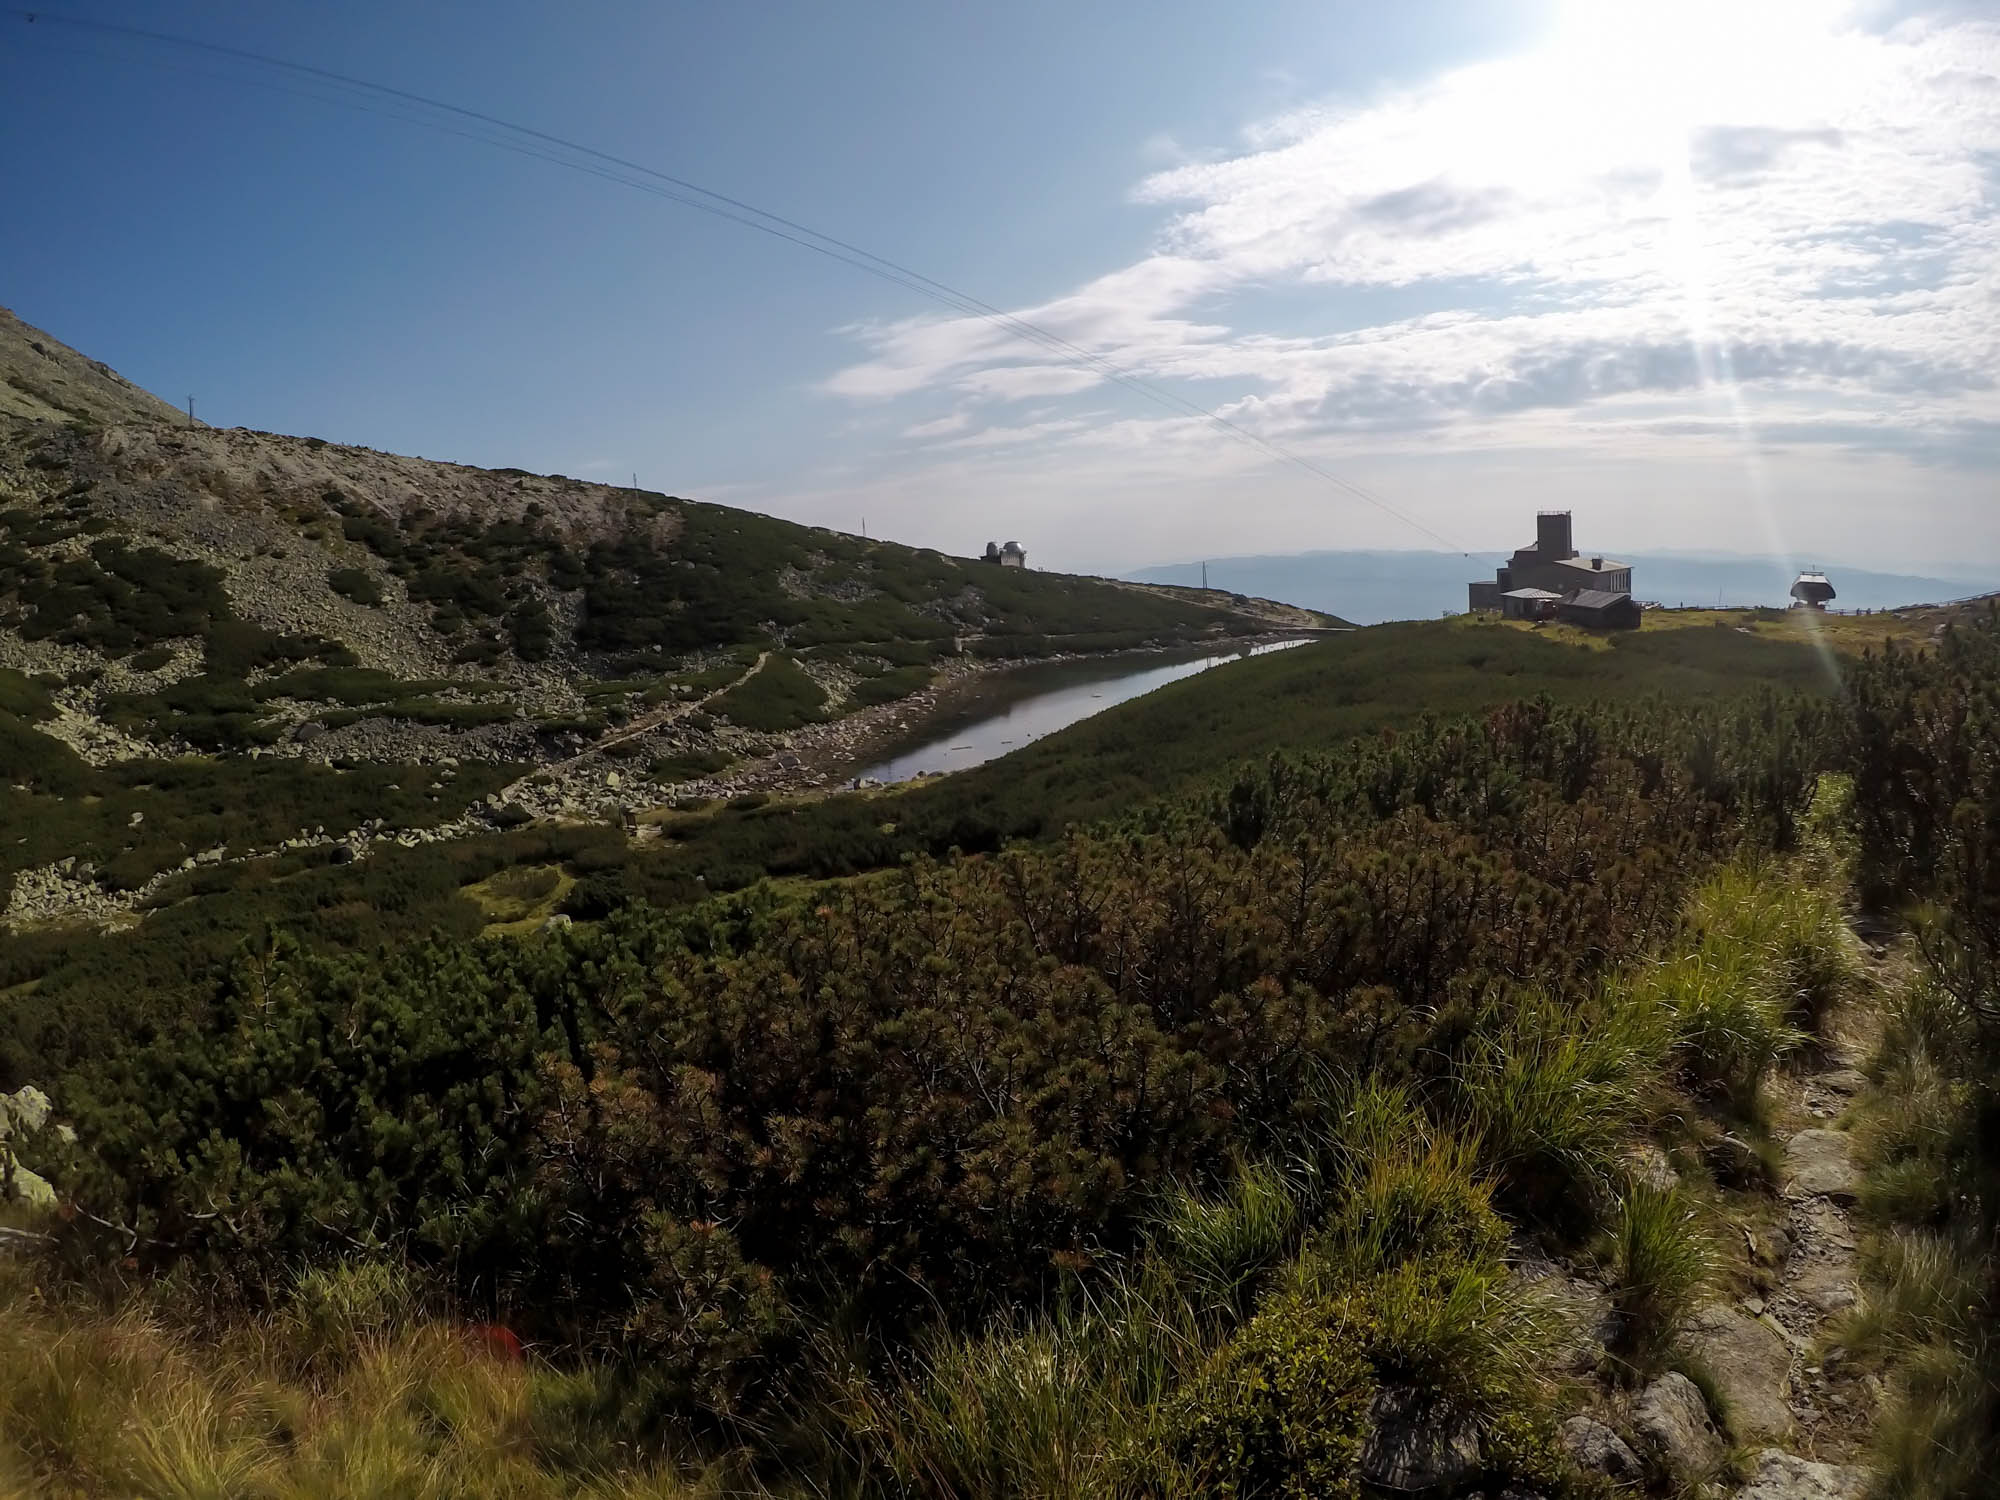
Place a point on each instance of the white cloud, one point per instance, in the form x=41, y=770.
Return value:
x=1671, y=228
x=939, y=427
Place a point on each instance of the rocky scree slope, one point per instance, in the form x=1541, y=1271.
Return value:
x=170, y=588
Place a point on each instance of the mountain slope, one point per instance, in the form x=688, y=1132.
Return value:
x=43, y=380
x=219, y=642
x=184, y=570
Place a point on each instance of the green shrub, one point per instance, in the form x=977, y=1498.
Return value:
x=711, y=1321
x=357, y=584
x=778, y=697
x=687, y=765
x=1281, y=1410
x=898, y=682
x=23, y=697
x=1415, y=1202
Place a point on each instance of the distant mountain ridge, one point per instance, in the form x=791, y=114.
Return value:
x=1369, y=587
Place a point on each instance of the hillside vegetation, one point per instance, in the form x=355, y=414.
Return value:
x=168, y=590
x=1440, y=1059
x=1185, y=1155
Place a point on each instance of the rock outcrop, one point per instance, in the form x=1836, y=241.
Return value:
x=1671, y=1426
x=1781, y=1476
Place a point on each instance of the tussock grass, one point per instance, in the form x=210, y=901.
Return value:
x=1929, y=1319
x=1661, y=1258
x=348, y=1392
x=1911, y=1136
x=1930, y=1315
x=1791, y=928
x=1765, y=960
x=1220, y=1247
x=1075, y=1404
x=1553, y=1094
x=1421, y=1199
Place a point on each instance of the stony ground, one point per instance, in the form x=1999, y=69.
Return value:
x=1795, y=1415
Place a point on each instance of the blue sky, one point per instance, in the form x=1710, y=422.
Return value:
x=1710, y=274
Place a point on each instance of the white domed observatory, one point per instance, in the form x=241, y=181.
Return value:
x=1812, y=590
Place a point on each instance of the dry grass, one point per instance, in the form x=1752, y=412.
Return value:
x=350, y=1393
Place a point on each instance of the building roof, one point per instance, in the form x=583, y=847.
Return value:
x=1598, y=599
x=1591, y=564
x=1530, y=594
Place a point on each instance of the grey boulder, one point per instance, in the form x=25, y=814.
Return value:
x=1780, y=1476
x=1753, y=1366
x=1597, y=1448
x=1416, y=1443
x=1671, y=1425
x=1819, y=1164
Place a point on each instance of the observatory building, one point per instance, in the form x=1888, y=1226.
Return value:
x=1812, y=590
x=1552, y=567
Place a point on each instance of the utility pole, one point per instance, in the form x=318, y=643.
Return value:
x=1204, y=575
x=864, y=528
x=190, y=411
x=635, y=481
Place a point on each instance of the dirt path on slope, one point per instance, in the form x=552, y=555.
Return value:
x=644, y=724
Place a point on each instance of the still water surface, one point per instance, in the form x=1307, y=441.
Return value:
x=1038, y=700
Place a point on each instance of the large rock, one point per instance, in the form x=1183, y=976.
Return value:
x=1671, y=1425
x=1598, y=1449
x=26, y=1109
x=1416, y=1443
x=22, y=1112
x=1752, y=1366
x=1819, y=1164
x=1780, y=1476
x=1648, y=1164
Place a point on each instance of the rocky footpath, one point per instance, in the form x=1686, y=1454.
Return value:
x=1792, y=1418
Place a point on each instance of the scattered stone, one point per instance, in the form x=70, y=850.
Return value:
x=1733, y=1161
x=1844, y=1081
x=309, y=731
x=1829, y=1288
x=1751, y=1364
x=1597, y=1448
x=135, y=820
x=1670, y=1424
x=1416, y=1443
x=1780, y=1476
x=560, y=922
x=1820, y=1164
x=1648, y=1164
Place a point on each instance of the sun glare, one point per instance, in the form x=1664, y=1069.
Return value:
x=1623, y=83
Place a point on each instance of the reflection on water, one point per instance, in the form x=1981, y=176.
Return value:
x=1040, y=700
